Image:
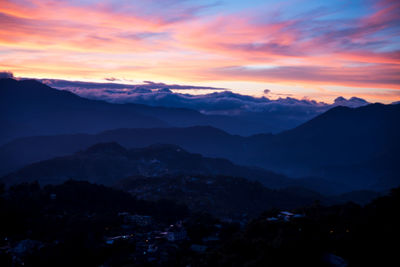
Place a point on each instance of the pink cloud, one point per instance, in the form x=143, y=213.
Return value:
x=177, y=42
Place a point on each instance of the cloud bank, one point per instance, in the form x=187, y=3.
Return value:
x=220, y=102
x=147, y=86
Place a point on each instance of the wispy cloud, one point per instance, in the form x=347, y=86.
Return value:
x=79, y=85
x=186, y=41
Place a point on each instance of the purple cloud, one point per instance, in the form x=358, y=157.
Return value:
x=225, y=102
x=64, y=84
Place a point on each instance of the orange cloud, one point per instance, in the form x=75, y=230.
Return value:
x=68, y=39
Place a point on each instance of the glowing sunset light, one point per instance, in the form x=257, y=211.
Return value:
x=302, y=48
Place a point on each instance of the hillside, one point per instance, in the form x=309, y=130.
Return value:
x=107, y=163
x=32, y=108
x=221, y=196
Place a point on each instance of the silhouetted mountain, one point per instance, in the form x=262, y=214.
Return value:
x=339, y=145
x=30, y=108
x=106, y=163
x=257, y=114
x=356, y=147
x=205, y=140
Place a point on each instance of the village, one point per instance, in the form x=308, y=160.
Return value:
x=156, y=242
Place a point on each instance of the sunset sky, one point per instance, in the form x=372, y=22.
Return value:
x=314, y=49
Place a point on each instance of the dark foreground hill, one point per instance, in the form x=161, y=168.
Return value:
x=341, y=235
x=82, y=224
x=222, y=196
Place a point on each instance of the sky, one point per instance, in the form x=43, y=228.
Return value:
x=305, y=49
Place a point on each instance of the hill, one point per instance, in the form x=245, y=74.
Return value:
x=222, y=196
x=107, y=163
x=343, y=144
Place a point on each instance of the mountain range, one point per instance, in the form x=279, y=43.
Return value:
x=30, y=108
x=347, y=148
x=92, y=107
x=354, y=147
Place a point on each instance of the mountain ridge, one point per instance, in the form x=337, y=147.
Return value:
x=31, y=108
x=106, y=163
x=343, y=145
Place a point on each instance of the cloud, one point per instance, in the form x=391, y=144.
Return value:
x=334, y=44
x=223, y=102
x=267, y=91
x=146, y=86
x=6, y=74
x=351, y=102
x=111, y=79
x=368, y=75
x=165, y=90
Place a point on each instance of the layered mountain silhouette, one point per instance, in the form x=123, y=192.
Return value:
x=107, y=163
x=344, y=144
x=357, y=147
x=30, y=108
x=351, y=148
x=208, y=141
